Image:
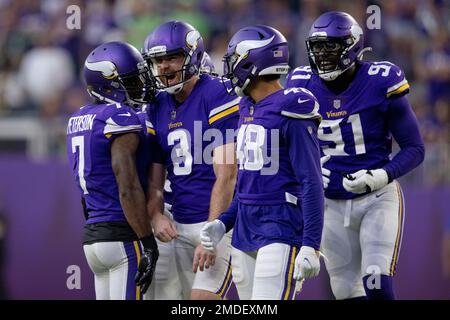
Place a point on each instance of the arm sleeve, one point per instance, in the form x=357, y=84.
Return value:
x=229, y=216
x=225, y=115
x=227, y=124
x=122, y=120
x=304, y=153
x=405, y=130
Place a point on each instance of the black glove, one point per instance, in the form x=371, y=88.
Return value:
x=147, y=264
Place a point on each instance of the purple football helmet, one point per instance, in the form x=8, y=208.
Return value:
x=334, y=44
x=115, y=72
x=171, y=38
x=207, y=65
x=255, y=51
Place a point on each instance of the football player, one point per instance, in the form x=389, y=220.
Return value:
x=364, y=106
x=188, y=104
x=167, y=285
x=277, y=212
x=109, y=157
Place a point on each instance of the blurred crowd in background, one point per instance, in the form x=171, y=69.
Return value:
x=41, y=59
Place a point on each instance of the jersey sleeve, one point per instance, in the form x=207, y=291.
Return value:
x=222, y=107
x=397, y=85
x=391, y=79
x=122, y=119
x=300, y=103
x=304, y=152
x=156, y=151
x=229, y=216
x=298, y=77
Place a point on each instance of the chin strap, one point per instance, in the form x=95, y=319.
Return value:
x=177, y=87
x=100, y=97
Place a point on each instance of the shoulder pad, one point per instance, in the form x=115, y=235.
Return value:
x=122, y=118
x=298, y=76
x=390, y=77
x=300, y=103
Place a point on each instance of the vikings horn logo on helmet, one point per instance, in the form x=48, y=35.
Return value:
x=245, y=46
x=107, y=68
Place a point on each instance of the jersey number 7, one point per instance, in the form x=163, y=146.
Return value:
x=79, y=142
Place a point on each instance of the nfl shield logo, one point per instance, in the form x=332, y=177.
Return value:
x=251, y=109
x=173, y=114
x=336, y=104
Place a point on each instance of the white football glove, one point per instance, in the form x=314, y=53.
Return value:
x=211, y=234
x=325, y=172
x=365, y=180
x=307, y=264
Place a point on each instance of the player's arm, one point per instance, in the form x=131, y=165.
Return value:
x=300, y=132
x=405, y=130
x=213, y=231
x=223, y=117
x=225, y=169
x=132, y=200
x=132, y=197
x=304, y=153
x=164, y=228
x=155, y=193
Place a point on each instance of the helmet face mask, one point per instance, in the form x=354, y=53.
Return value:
x=238, y=84
x=334, y=44
x=168, y=40
x=138, y=85
x=115, y=72
x=255, y=51
x=169, y=71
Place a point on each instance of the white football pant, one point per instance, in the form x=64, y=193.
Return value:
x=266, y=274
x=166, y=283
x=362, y=237
x=114, y=265
x=216, y=279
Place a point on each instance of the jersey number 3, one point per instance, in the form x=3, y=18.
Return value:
x=181, y=152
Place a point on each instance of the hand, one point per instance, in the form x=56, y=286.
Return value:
x=211, y=234
x=307, y=264
x=325, y=172
x=164, y=228
x=203, y=259
x=147, y=264
x=365, y=181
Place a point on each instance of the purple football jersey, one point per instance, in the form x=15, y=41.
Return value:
x=90, y=132
x=278, y=158
x=354, y=130
x=265, y=172
x=187, y=133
